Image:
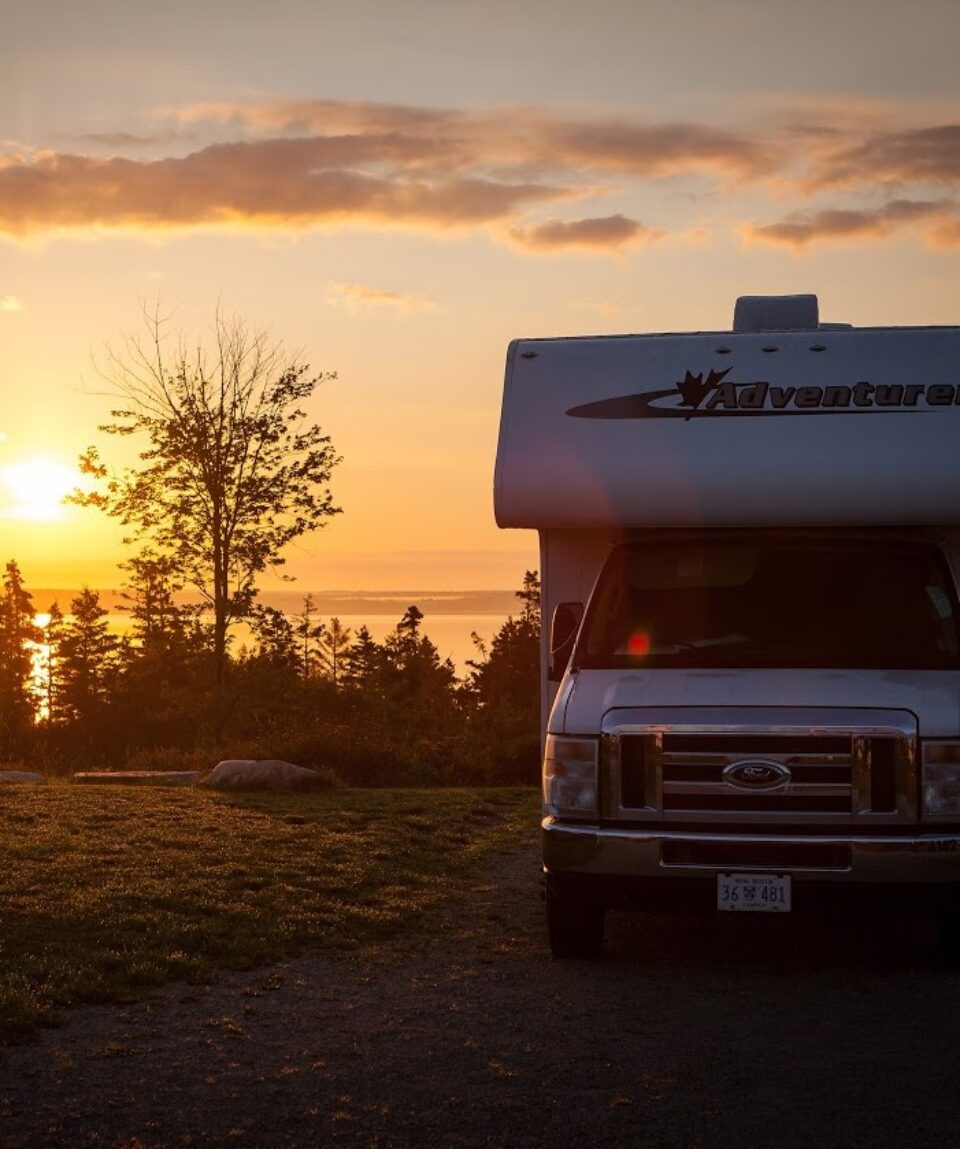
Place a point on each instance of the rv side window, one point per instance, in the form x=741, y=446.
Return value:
x=773, y=603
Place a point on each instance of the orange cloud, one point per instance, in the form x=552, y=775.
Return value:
x=801, y=229
x=606, y=234
x=355, y=296
x=293, y=182
x=307, y=163
x=310, y=163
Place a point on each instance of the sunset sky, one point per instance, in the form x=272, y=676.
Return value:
x=397, y=190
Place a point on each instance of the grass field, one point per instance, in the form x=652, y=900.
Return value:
x=107, y=891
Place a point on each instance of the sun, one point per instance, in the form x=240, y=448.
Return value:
x=35, y=488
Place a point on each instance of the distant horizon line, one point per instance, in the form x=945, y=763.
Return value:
x=345, y=592
x=493, y=602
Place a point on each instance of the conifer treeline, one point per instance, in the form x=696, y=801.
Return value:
x=308, y=690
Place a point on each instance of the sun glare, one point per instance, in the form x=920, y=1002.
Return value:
x=35, y=489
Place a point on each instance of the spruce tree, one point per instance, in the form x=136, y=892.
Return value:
x=363, y=661
x=51, y=682
x=159, y=622
x=19, y=637
x=334, y=645
x=88, y=658
x=308, y=634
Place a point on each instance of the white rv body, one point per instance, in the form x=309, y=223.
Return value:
x=660, y=464
x=827, y=436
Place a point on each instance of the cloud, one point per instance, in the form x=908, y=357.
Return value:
x=325, y=163
x=800, y=229
x=124, y=141
x=355, y=296
x=10, y=303
x=300, y=164
x=313, y=117
x=920, y=155
x=604, y=234
x=828, y=114
x=658, y=150
x=512, y=135
x=288, y=182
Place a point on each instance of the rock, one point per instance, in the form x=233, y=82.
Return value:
x=19, y=776
x=264, y=774
x=138, y=777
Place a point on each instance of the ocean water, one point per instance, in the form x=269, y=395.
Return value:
x=450, y=633
x=450, y=617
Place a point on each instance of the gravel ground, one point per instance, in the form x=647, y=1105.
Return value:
x=734, y=1031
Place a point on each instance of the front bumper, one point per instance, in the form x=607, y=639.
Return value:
x=624, y=864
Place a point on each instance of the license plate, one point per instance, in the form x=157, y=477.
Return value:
x=754, y=893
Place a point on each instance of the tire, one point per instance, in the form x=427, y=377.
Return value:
x=575, y=929
x=950, y=939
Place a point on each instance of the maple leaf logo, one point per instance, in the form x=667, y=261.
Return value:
x=694, y=390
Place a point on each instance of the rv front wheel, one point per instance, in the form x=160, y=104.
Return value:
x=575, y=928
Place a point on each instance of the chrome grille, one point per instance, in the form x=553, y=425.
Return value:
x=833, y=775
x=820, y=779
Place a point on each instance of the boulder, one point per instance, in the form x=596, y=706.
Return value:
x=264, y=774
x=19, y=776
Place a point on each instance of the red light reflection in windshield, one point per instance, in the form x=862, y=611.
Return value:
x=639, y=643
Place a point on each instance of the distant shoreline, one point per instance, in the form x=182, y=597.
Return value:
x=329, y=602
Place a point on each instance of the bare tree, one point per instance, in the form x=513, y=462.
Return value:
x=231, y=470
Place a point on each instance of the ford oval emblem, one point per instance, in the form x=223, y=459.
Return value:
x=756, y=774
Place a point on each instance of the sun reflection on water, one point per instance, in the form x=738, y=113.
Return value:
x=40, y=667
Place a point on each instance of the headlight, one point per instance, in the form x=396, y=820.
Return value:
x=570, y=776
x=941, y=780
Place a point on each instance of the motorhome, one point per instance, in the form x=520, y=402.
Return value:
x=750, y=550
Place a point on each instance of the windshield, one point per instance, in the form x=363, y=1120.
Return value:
x=772, y=603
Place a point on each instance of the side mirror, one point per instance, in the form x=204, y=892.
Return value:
x=563, y=632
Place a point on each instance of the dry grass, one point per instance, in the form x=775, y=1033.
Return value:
x=107, y=892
